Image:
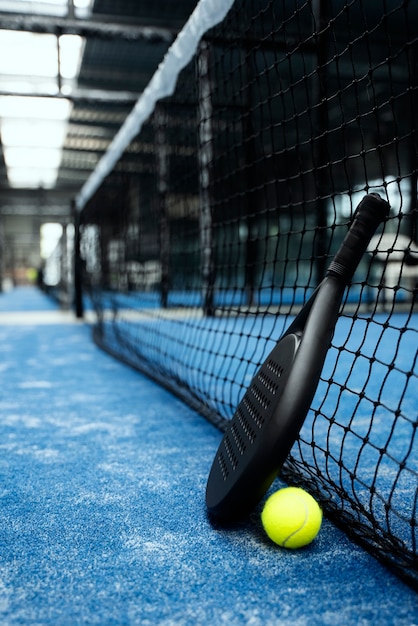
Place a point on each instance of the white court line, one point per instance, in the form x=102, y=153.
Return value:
x=42, y=318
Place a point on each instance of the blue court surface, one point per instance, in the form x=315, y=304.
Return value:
x=103, y=519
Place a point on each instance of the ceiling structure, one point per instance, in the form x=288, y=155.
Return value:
x=98, y=57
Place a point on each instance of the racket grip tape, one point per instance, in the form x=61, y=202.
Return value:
x=371, y=211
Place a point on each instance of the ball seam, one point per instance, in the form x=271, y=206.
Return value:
x=295, y=532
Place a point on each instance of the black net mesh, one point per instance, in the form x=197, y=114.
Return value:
x=222, y=215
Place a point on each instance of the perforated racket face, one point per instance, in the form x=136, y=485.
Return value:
x=246, y=461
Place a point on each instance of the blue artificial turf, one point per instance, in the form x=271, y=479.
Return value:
x=25, y=299
x=102, y=518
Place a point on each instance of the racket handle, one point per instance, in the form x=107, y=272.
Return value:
x=371, y=211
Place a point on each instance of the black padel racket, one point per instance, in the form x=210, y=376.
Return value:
x=268, y=419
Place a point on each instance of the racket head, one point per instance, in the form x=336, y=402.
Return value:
x=255, y=443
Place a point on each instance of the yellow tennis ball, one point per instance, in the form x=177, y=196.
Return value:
x=291, y=517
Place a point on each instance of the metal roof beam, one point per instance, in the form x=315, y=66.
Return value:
x=84, y=96
x=84, y=27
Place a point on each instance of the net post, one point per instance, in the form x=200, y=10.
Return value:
x=2, y=255
x=252, y=220
x=205, y=158
x=78, y=280
x=412, y=144
x=163, y=173
x=320, y=150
